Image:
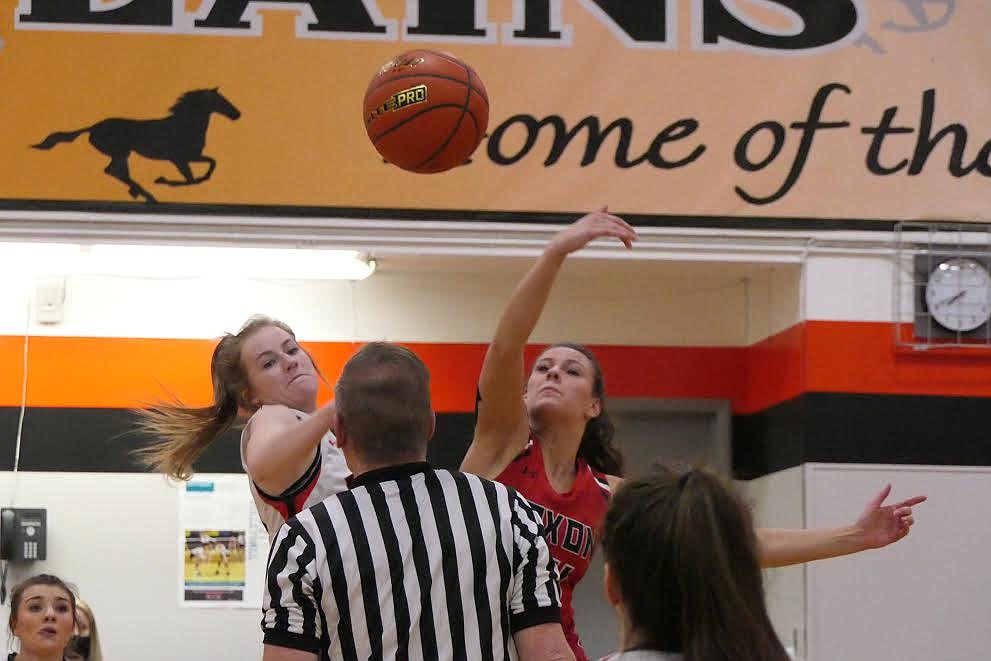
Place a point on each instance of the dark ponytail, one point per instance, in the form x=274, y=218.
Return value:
x=683, y=551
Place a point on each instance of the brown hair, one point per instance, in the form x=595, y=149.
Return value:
x=39, y=579
x=683, y=550
x=180, y=433
x=597, y=448
x=383, y=401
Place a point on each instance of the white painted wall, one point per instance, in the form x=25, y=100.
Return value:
x=116, y=537
x=778, y=501
x=412, y=306
x=423, y=299
x=773, y=301
x=850, y=287
x=927, y=597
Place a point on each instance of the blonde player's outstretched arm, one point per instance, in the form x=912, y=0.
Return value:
x=502, y=427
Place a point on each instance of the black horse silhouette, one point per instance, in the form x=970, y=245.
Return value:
x=178, y=138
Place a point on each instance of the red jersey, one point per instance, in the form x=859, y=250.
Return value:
x=572, y=521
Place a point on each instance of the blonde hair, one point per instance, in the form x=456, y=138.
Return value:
x=181, y=433
x=95, y=653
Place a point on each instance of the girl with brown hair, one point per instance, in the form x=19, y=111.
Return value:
x=42, y=618
x=682, y=572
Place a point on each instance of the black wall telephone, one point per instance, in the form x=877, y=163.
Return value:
x=22, y=534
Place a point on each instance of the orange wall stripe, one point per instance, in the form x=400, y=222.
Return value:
x=816, y=356
x=775, y=371
x=861, y=357
x=93, y=372
x=105, y=372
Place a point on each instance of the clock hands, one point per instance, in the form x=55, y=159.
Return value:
x=952, y=299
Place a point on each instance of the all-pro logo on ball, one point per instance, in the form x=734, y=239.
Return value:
x=400, y=100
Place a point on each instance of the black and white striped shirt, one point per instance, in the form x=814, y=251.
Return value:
x=411, y=563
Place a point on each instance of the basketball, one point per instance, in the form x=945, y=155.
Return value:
x=426, y=111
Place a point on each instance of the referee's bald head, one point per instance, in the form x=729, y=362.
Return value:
x=383, y=403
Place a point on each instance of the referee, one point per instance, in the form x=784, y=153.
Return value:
x=411, y=562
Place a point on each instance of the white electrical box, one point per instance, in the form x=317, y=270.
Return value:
x=50, y=301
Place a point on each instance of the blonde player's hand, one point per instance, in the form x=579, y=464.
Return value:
x=600, y=223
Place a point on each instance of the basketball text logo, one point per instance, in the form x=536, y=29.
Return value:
x=399, y=100
x=400, y=63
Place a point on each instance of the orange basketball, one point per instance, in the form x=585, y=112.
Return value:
x=426, y=111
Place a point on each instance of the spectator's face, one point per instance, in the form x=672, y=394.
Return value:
x=82, y=624
x=44, y=619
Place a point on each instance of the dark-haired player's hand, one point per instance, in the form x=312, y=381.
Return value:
x=880, y=524
x=598, y=224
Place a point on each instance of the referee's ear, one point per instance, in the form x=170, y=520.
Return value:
x=433, y=425
x=340, y=431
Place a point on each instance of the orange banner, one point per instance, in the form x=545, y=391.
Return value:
x=846, y=109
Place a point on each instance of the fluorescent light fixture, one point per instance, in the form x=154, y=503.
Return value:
x=166, y=262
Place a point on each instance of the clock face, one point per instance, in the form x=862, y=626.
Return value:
x=958, y=294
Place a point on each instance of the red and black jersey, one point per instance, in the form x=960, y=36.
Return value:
x=571, y=520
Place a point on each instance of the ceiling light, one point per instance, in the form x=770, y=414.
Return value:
x=167, y=262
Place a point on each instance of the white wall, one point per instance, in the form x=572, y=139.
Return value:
x=778, y=501
x=116, y=537
x=773, y=301
x=412, y=306
x=926, y=597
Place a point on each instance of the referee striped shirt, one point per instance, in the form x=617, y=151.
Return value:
x=411, y=563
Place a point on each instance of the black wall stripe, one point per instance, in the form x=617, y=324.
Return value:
x=869, y=429
x=101, y=440
x=820, y=427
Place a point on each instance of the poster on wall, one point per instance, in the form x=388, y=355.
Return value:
x=848, y=109
x=223, y=545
